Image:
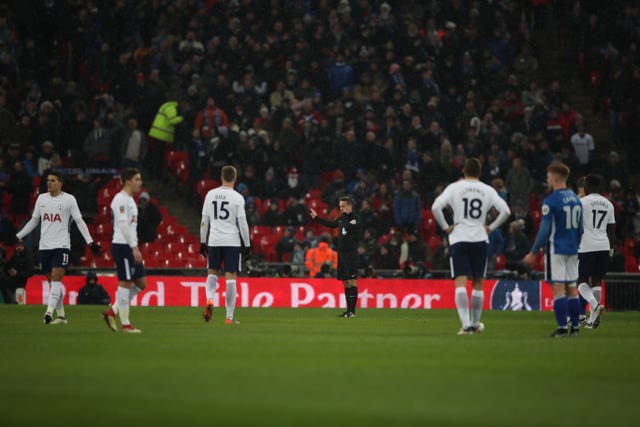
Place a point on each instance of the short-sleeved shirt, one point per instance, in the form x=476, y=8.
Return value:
x=124, y=208
x=597, y=213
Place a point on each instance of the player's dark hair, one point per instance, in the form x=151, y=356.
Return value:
x=472, y=167
x=347, y=199
x=128, y=173
x=229, y=173
x=592, y=183
x=57, y=174
x=559, y=169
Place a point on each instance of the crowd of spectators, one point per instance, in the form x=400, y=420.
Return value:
x=383, y=100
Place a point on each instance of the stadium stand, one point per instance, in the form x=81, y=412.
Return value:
x=458, y=79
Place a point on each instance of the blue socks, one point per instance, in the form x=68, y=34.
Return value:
x=574, y=310
x=561, y=310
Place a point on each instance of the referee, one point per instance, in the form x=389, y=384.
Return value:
x=349, y=226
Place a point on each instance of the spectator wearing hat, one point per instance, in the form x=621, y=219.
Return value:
x=271, y=186
x=93, y=292
x=295, y=187
x=149, y=217
x=44, y=159
x=418, y=251
x=273, y=216
x=17, y=271
x=251, y=210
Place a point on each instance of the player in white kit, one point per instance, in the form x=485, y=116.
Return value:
x=593, y=254
x=126, y=254
x=223, y=231
x=54, y=210
x=470, y=200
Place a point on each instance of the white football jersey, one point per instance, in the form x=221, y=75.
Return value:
x=597, y=212
x=124, y=208
x=54, y=215
x=471, y=200
x=223, y=210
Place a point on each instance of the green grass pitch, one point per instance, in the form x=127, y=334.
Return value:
x=305, y=367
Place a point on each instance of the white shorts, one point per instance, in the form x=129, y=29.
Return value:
x=561, y=268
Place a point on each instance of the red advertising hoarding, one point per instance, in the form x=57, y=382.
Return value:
x=307, y=292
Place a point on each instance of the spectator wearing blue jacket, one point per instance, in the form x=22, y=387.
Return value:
x=340, y=76
x=406, y=207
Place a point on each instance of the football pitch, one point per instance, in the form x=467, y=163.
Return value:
x=305, y=367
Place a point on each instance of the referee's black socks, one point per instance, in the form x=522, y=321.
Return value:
x=351, y=295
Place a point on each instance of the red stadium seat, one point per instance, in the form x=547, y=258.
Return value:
x=203, y=186
x=182, y=172
x=428, y=227
x=433, y=242
x=538, y=263
x=313, y=193
x=278, y=230
x=536, y=216
x=501, y=262
x=173, y=158
x=630, y=264
x=628, y=246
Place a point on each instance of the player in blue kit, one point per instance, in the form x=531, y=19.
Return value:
x=560, y=233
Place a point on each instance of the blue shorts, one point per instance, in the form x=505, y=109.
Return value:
x=227, y=256
x=592, y=264
x=468, y=259
x=54, y=258
x=126, y=266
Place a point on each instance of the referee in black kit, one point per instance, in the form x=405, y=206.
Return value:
x=349, y=226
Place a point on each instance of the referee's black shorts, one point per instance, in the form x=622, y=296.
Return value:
x=347, y=265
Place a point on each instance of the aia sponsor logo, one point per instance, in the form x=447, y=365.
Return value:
x=51, y=217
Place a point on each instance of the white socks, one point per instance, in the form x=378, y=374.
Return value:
x=56, y=296
x=133, y=291
x=587, y=294
x=122, y=299
x=462, y=304
x=212, y=284
x=231, y=297
x=597, y=293
x=477, y=301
